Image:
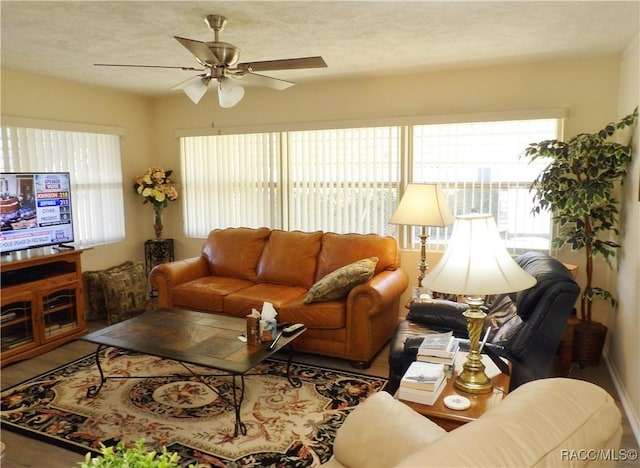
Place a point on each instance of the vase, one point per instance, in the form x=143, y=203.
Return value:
x=157, y=224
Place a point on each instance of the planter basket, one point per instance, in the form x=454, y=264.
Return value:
x=589, y=342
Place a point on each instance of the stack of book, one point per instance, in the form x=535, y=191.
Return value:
x=422, y=383
x=440, y=348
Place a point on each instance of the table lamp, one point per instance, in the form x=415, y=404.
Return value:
x=476, y=263
x=423, y=205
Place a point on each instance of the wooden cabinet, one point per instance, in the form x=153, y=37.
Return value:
x=42, y=304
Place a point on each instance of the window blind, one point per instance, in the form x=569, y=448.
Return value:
x=94, y=162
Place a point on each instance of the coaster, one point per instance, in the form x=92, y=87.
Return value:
x=457, y=402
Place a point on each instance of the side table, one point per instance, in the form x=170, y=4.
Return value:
x=157, y=252
x=450, y=419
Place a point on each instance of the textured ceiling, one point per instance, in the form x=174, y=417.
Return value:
x=64, y=39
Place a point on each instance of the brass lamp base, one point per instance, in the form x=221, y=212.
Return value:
x=473, y=379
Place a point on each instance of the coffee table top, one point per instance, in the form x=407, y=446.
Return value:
x=199, y=338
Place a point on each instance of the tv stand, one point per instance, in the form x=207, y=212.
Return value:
x=63, y=247
x=41, y=302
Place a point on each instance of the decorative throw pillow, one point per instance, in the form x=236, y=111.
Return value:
x=125, y=292
x=338, y=283
x=503, y=318
x=95, y=303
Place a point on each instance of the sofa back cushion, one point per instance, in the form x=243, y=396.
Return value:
x=235, y=252
x=290, y=258
x=548, y=272
x=339, y=250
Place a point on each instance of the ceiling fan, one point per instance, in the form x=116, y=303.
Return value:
x=220, y=65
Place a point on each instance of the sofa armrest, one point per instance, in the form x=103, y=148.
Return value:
x=166, y=276
x=372, y=313
x=537, y=424
x=382, y=431
x=439, y=314
x=379, y=291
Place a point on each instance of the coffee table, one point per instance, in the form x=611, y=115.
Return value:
x=190, y=337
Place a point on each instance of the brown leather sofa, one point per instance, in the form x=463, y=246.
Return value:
x=241, y=268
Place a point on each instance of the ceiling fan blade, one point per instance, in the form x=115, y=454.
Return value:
x=285, y=64
x=200, y=50
x=260, y=80
x=146, y=66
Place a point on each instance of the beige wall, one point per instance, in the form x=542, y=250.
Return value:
x=587, y=88
x=624, y=345
x=39, y=97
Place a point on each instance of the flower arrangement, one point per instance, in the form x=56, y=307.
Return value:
x=156, y=186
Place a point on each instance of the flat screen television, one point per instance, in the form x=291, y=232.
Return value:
x=35, y=210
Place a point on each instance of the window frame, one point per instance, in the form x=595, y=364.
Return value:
x=402, y=233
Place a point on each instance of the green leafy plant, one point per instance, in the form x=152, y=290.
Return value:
x=579, y=186
x=133, y=457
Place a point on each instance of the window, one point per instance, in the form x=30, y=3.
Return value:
x=230, y=180
x=93, y=159
x=335, y=180
x=342, y=180
x=348, y=180
x=480, y=172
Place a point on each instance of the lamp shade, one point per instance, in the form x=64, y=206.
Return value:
x=476, y=262
x=229, y=93
x=423, y=205
x=195, y=89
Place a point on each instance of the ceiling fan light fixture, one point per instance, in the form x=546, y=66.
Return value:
x=229, y=93
x=196, y=89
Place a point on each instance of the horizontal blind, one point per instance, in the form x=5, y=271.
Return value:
x=94, y=162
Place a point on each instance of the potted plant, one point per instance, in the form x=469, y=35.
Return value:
x=579, y=187
x=137, y=456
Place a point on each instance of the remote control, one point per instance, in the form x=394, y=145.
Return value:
x=293, y=329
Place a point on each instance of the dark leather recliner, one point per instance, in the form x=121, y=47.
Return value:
x=526, y=326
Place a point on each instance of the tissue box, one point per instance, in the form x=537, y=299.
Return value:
x=253, y=330
x=268, y=330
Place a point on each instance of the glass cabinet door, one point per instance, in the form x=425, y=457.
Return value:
x=16, y=323
x=59, y=311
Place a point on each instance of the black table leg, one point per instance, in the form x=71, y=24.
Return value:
x=295, y=381
x=240, y=427
x=94, y=390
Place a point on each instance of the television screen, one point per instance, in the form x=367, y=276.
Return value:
x=35, y=210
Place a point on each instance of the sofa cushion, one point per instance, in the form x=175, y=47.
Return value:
x=378, y=419
x=290, y=258
x=547, y=271
x=95, y=306
x=235, y=252
x=206, y=293
x=338, y=283
x=339, y=250
x=241, y=302
x=126, y=292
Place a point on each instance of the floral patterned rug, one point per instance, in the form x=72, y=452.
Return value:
x=286, y=426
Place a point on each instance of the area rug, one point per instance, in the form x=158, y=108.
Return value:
x=286, y=426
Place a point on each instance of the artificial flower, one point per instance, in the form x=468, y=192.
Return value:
x=156, y=187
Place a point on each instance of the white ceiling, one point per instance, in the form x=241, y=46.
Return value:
x=64, y=39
